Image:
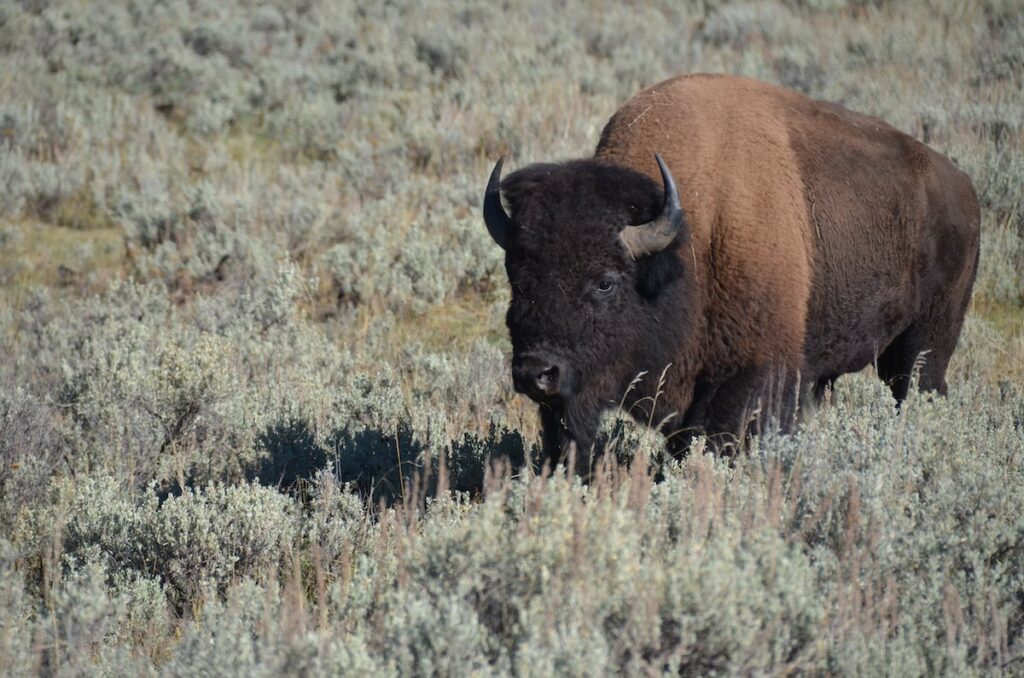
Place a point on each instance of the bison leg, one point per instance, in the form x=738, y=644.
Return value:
x=896, y=363
x=753, y=401
x=929, y=347
x=823, y=386
x=728, y=411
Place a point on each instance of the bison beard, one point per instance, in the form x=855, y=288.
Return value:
x=575, y=420
x=816, y=241
x=559, y=427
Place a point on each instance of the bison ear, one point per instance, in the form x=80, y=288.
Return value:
x=658, y=265
x=656, y=235
x=499, y=224
x=658, y=271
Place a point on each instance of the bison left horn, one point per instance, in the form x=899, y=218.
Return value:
x=499, y=224
x=656, y=235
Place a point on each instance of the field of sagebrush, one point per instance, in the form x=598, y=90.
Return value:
x=255, y=412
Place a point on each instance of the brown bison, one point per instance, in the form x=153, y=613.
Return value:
x=803, y=241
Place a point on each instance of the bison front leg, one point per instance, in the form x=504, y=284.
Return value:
x=750, y=402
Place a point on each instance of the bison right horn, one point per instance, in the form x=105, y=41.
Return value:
x=656, y=235
x=499, y=224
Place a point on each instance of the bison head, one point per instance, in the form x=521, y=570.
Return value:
x=600, y=292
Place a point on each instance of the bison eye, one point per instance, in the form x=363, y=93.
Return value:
x=606, y=286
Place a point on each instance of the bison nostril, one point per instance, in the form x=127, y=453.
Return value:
x=547, y=380
x=539, y=375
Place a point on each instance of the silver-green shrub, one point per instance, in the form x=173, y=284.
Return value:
x=200, y=539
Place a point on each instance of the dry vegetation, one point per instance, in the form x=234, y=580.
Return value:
x=255, y=414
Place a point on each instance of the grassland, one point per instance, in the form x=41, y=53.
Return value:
x=255, y=413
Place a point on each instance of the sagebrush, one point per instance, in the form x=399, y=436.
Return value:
x=255, y=412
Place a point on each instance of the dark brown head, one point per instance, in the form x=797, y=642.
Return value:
x=599, y=290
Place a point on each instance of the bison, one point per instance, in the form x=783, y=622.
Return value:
x=740, y=243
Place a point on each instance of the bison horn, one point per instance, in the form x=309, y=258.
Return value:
x=499, y=224
x=656, y=235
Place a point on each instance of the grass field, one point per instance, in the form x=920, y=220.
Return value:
x=255, y=409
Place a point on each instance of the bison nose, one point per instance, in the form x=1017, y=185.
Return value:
x=535, y=374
